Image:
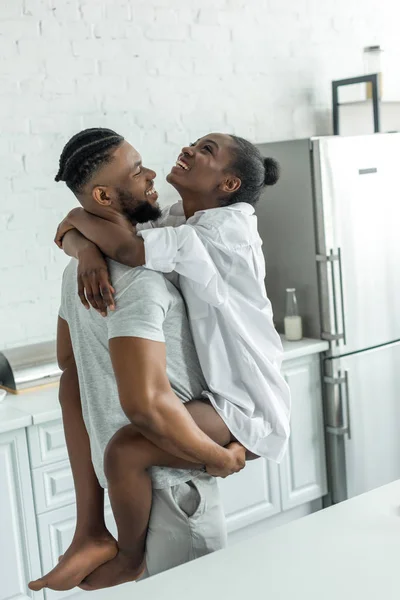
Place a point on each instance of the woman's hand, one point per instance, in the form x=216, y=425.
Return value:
x=62, y=229
x=66, y=225
x=94, y=285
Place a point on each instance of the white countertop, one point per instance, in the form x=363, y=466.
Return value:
x=350, y=551
x=41, y=405
x=304, y=347
x=12, y=418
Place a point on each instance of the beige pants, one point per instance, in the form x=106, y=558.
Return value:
x=186, y=522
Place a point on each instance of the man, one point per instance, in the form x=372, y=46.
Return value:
x=143, y=340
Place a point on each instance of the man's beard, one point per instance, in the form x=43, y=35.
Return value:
x=137, y=212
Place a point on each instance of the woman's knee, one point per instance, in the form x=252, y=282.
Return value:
x=119, y=452
x=126, y=450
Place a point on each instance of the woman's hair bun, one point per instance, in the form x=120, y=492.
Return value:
x=272, y=171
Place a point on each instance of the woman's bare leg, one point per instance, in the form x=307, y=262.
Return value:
x=92, y=544
x=127, y=458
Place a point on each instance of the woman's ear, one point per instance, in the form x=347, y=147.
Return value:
x=101, y=195
x=231, y=184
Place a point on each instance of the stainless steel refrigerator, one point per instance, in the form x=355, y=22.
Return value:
x=331, y=229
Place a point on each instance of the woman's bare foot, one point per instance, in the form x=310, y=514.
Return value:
x=82, y=557
x=117, y=571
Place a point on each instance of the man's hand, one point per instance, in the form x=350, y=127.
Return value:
x=236, y=462
x=94, y=285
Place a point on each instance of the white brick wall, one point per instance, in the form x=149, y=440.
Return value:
x=162, y=72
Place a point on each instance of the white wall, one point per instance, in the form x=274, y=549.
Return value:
x=161, y=72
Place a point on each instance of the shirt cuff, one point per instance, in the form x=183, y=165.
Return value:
x=161, y=248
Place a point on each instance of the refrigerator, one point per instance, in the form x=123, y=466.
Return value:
x=331, y=229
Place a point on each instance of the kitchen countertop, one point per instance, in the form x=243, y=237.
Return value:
x=41, y=404
x=304, y=347
x=347, y=552
x=12, y=418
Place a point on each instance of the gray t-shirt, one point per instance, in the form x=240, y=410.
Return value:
x=147, y=306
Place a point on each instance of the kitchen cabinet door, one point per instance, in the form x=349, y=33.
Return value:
x=303, y=470
x=47, y=443
x=19, y=552
x=56, y=530
x=251, y=495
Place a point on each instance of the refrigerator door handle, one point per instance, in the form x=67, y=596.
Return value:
x=346, y=387
x=330, y=260
x=333, y=257
x=341, y=424
x=339, y=254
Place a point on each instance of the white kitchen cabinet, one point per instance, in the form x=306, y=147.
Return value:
x=251, y=495
x=19, y=552
x=47, y=443
x=263, y=489
x=56, y=530
x=53, y=486
x=303, y=470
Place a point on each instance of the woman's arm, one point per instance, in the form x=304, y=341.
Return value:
x=119, y=243
x=94, y=285
x=163, y=249
x=74, y=244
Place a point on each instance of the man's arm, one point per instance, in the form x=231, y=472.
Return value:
x=150, y=404
x=89, y=494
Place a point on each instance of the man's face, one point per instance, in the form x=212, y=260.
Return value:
x=128, y=185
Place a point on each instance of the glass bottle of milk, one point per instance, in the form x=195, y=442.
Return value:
x=292, y=322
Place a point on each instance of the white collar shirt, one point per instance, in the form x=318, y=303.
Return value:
x=218, y=257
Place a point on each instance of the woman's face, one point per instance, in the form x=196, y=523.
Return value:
x=203, y=167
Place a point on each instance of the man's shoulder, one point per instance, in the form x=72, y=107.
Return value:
x=139, y=279
x=121, y=276
x=69, y=273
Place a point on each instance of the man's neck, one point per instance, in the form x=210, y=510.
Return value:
x=109, y=214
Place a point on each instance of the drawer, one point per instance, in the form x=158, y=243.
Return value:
x=53, y=486
x=46, y=443
x=56, y=529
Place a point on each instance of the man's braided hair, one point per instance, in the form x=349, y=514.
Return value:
x=84, y=154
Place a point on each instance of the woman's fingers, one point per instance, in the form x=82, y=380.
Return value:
x=106, y=289
x=81, y=292
x=97, y=298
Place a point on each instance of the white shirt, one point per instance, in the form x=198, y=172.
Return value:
x=217, y=254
